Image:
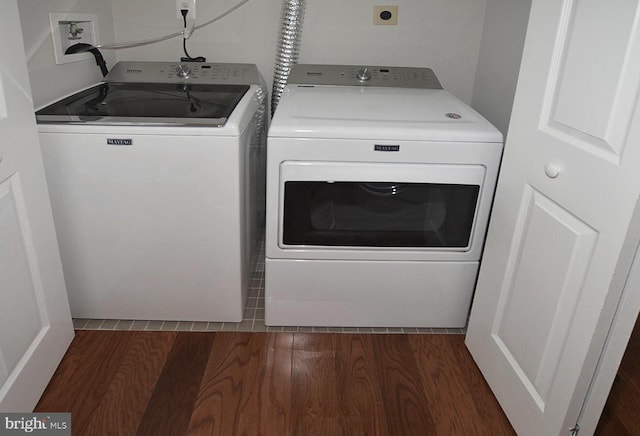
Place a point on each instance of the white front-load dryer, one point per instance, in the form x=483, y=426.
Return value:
x=379, y=191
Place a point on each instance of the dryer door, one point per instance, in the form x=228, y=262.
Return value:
x=343, y=208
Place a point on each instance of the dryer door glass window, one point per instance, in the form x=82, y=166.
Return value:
x=366, y=214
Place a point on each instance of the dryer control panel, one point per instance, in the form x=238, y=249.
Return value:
x=354, y=75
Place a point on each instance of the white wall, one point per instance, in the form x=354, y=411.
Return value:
x=48, y=80
x=499, y=60
x=247, y=35
x=441, y=34
x=445, y=35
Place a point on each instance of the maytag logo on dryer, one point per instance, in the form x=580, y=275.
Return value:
x=119, y=141
x=381, y=147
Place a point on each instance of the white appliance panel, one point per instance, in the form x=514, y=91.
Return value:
x=140, y=227
x=338, y=132
x=378, y=113
x=159, y=222
x=368, y=293
x=381, y=172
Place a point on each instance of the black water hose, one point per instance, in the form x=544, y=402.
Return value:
x=82, y=47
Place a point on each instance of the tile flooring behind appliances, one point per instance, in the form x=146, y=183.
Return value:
x=253, y=320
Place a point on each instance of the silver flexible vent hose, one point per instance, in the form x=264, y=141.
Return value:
x=288, y=46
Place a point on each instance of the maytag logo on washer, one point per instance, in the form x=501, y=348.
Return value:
x=379, y=147
x=119, y=141
x=35, y=424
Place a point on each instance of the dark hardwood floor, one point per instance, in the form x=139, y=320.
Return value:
x=621, y=414
x=237, y=383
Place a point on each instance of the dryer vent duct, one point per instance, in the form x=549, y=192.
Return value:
x=288, y=47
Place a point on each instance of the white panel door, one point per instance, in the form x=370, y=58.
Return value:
x=563, y=229
x=35, y=322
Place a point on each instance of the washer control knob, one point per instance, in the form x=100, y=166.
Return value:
x=363, y=74
x=183, y=71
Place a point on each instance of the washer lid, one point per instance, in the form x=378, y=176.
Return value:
x=378, y=113
x=147, y=104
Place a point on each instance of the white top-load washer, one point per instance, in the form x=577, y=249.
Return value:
x=156, y=178
x=379, y=190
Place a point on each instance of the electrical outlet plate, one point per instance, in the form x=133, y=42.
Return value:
x=190, y=5
x=385, y=15
x=69, y=29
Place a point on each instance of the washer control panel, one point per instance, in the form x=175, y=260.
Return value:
x=354, y=75
x=184, y=72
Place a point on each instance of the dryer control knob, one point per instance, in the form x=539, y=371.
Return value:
x=183, y=71
x=363, y=74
